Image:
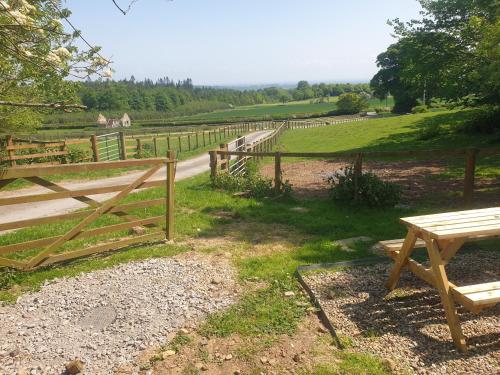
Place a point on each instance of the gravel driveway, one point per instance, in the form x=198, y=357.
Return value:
x=105, y=318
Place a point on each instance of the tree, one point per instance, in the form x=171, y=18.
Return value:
x=452, y=53
x=36, y=54
x=351, y=103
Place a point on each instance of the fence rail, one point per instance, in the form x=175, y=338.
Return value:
x=48, y=250
x=470, y=155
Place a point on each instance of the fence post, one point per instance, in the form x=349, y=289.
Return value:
x=139, y=147
x=95, y=149
x=169, y=217
x=180, y=143
x=277, y=172
x=213, y=164
x=203, y=136
x=155, y=146
x=224, y=158
x=10, y=153
x=358, y=171
x=197, y=141
x=168, y=143
x=470, y=169
x=123, y=146
x=189, y=142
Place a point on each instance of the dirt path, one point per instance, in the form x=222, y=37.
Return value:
x=185, y=169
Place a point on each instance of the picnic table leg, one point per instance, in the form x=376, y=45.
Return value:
x=443, y=286
x=402, y=259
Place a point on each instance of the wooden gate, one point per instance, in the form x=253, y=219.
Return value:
x=44, y=251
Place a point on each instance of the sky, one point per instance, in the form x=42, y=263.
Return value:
x=236, y=42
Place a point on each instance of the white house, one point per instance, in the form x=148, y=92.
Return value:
x=123, y=122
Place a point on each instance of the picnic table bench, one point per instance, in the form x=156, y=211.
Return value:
x=443, y=235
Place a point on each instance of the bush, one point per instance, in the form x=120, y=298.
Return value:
x=250, y=182
x=77, y=155
x=419, y=109
x=351, y=103
x=372, y=191
x=429, y=132
x=483, y=120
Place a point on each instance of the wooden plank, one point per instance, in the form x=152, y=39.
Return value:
x=464, y=220
x=40, y=155
x=427, y=219
x=13, y=248
x=467, y=289
x=480, y=298
x=4, y=262
x=491, y=230
x=100, y=248
x=170, y=217
x=443, y=287
x=34, y=170
x=74, y=193
x=402, y=259
x=34, y=145
x=77, y=215
x=106, y=206
x=471, y=225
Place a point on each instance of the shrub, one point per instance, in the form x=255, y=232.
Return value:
x=77, y=155
x=250, y=182
x=371, y=191
x=429, y=132
x=483, y=120
x=351, y=103
x=419, y=109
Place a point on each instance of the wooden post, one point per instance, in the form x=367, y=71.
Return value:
x=224, y=158
x=123, y=146
x=169, y=217
x=358, y=171
x=197, y=141
x=277, y=172
x=209, y=137
x=189, y=142
x=11, y=153
x=470, y=168
x=203, y=135
x=139, y=147
x=213, y=164
x=168, y=143
x=155, y=146
x=95, y=149
x=64, y=147
x=180, y=143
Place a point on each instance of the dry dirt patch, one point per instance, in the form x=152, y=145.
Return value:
x=409, y=325
x=283, y=354
x=418, y=179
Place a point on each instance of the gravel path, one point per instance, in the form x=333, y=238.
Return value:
x=407, y=327
x=106, y=317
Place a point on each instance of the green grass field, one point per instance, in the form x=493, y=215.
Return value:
x=386, y=134
x=303, y=108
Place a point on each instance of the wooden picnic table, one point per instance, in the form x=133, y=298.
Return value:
x=443, y=235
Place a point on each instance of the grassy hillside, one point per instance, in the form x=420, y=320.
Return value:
x=420, y=131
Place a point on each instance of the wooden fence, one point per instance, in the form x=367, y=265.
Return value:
x=323, y=122
x=54, y=152
x=218, y=158
x=263, y=145
x=49, y=249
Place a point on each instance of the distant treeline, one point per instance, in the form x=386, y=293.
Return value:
x=167, y=98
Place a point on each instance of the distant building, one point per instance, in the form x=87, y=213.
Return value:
x=101, y=120
x=123, y=122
